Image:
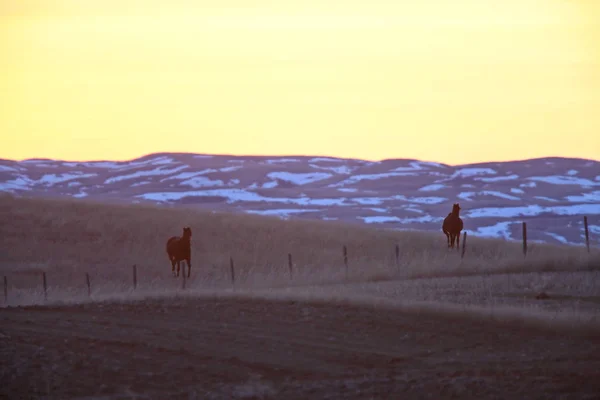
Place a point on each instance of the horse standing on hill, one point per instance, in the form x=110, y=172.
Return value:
x=452, y=226
x=179, y=249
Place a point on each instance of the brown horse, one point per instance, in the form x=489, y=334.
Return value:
x=452, y=226
x=179, y=249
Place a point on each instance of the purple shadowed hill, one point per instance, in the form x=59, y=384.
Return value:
x=551, y=194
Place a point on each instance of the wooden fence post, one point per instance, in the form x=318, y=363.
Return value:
x=587, y=234
x=45, y=286
x=87, y=279
x=524, y=238
x=290, y=264
x=134, y=276
x=397, y=256
x=464, y=244
x=232, y=270
x=346, y=260
x=5, y=289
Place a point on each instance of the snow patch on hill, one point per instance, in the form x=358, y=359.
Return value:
x=497, y=178
x=93, y=164
x=139, y=174
x=534, y=210
x=378, y=219
x=432, y=187
x=368, y=201
x=6, y=168
x=593, y=197
x=357, y=178
x=468, y=195
x=282, y=161
x=544, y=198
x=23, y=182
x=299, y=178
x=52, y=179
x=325, y=159
x=238, y=195
x=342, y=170
x=20, y=183
x=187, y=175
x=202, y=181
x=269, y=185
x=427, y=200
x=558, y=237
x=230, y=169
x=528, y=184
x=501, y=230
x=142, y=183
x=564, y=180
x=282, y=213
x=470, y=172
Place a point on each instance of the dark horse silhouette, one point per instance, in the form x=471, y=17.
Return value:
x=452, y=226
x=179, y=249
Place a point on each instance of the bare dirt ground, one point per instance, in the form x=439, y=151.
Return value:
x=187, y=348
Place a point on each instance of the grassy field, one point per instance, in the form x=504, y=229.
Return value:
x=68, y=239
x=432, y=325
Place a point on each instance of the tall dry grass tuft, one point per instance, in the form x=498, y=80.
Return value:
x=69, y=238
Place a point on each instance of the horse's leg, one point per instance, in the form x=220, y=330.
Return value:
x=452, y=239
x=448, y=239
x=189, y=264
x=178, y=266
x=458, y=241
x=173, y=266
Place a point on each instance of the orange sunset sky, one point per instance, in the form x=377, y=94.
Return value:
x=454, y=81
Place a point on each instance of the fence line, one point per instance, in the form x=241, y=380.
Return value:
x=87, y=280
x=291, y=265
x=45, y=286
x=346, y=260
x=134, y=276
x=587, y=234
x=524, y=239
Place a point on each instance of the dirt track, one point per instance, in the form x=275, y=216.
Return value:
x=223, y=349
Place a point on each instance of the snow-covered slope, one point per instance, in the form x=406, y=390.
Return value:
x=551, y=194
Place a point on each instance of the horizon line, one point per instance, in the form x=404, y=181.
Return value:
x=293, y=156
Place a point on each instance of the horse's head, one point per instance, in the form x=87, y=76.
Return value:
x=187, y=232
x=455, y=209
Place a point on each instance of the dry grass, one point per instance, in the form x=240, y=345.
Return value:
x=70, y=238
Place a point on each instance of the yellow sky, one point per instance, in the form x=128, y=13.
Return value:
x=455, y=81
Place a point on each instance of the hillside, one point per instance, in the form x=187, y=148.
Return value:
x=551, y=194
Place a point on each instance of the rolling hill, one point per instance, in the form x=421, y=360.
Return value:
x=551, y=194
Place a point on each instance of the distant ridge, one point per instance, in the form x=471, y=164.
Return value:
x=553, y=193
